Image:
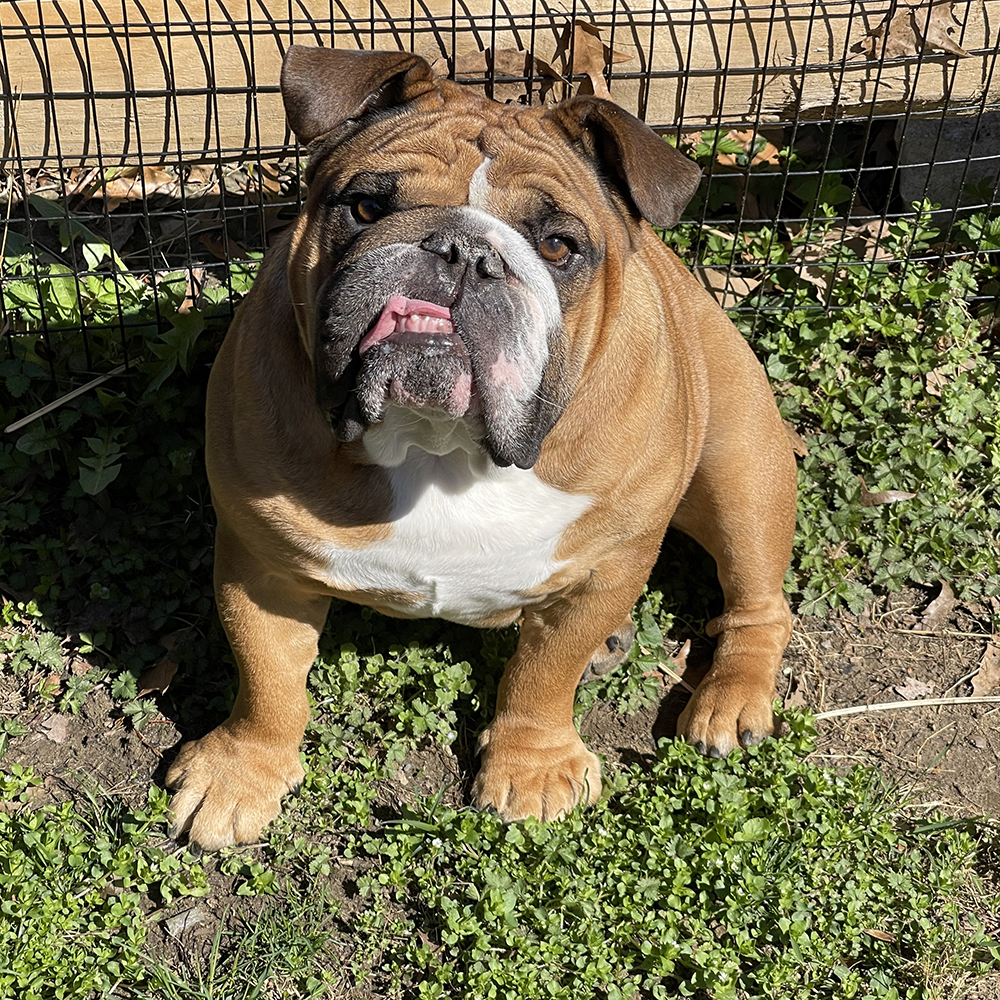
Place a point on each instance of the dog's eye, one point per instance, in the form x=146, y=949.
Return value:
x=555, y=249
x=366, y=209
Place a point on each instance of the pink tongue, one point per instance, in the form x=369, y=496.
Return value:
x=401, y=313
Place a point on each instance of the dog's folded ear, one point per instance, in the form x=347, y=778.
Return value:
x=659, y=180
x=323, y=88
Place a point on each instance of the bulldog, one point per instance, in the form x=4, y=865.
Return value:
x=472, y=383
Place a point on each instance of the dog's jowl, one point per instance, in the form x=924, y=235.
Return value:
x=471, y=382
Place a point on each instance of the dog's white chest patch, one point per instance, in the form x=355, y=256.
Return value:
x=469, y=540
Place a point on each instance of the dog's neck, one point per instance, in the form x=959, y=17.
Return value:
x=431, y=431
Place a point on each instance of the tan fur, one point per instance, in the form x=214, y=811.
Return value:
x=687, y=432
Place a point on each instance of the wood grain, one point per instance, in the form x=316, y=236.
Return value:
x=96, y=81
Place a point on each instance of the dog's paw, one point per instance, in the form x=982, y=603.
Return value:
x=228, y=790
x=610, y=653
x=725, y=713
x=518, y=778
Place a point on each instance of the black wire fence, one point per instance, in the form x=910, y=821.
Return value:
x=147, y=165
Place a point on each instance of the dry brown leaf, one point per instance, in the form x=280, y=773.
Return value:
x=768, y=154
x=914, y=28
x=79, y=667
x=480, y=66
x=912, y=689
x=157, y=678
x=56, y=728
x=936, y=613
x=680, y=658
x=879, y=935
x=798, y=698
x=728, y=289
x=583, y=52
x=263, y=184
x=796, y=440
x=201, y=173
x=988, y=675
x=869, y=499
x=195, y=283
x=124, y=184
x=219, y=249
x=171, y=639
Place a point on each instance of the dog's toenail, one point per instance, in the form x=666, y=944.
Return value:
x=714, y=752
x=748, y=738
x=700, y=746
x=612, y=642
x=195, y=850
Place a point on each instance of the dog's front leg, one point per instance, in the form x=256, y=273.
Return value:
x=230, y=782
x=533, y=760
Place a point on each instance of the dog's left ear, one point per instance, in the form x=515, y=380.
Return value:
x=323, y=88
x=660, y=180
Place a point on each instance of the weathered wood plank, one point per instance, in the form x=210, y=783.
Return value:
x=100, y=80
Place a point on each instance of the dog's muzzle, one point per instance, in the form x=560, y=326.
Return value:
x=464, y=319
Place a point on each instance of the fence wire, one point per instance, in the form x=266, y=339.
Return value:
x=144, y=146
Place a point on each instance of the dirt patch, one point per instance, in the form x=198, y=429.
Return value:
x=945, y=758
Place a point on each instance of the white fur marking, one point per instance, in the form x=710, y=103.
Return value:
x=479, y=186
x=469, y=538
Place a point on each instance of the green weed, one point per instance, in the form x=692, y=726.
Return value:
x=73, y=888
x=758, y=876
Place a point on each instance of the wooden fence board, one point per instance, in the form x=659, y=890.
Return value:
x=98, y=80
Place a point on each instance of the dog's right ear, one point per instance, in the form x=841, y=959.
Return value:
x=323, y=88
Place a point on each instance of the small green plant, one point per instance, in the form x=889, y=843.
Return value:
x=759, y=876
x=889, y=378
x=72, y=886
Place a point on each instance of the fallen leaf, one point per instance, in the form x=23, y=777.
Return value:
x=157, y=678
x=264, y=184
x=795, y=439
x=680, y=658
x=879, y=935
x=766, y=153
x=869, y=499
x=727, y=287
x=123, y=184
x=913, y=690
x=56, y=728
x=224, y=250
x=798, y=698
x=913, y=28
x=936, y=613
x=988, y=675
x=170, y=640
x=584, y=53
x=521, y=72
x=201, y=173
x=195, y=283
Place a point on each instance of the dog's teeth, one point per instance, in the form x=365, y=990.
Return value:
x=421, y=323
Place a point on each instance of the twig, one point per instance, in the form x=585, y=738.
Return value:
x=926, y=702
x=24, y=421
x=681, y=657
x=940, y=633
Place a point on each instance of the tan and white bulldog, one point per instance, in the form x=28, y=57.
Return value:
x=472, y=383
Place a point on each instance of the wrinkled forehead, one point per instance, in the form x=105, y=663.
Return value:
x=495, y=157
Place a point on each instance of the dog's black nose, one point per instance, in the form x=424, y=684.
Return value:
x=460, y=251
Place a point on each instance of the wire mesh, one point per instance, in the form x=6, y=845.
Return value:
x=144, y=142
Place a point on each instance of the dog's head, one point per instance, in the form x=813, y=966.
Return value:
x=456, y=255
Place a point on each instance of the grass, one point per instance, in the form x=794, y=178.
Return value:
x=762, y=875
